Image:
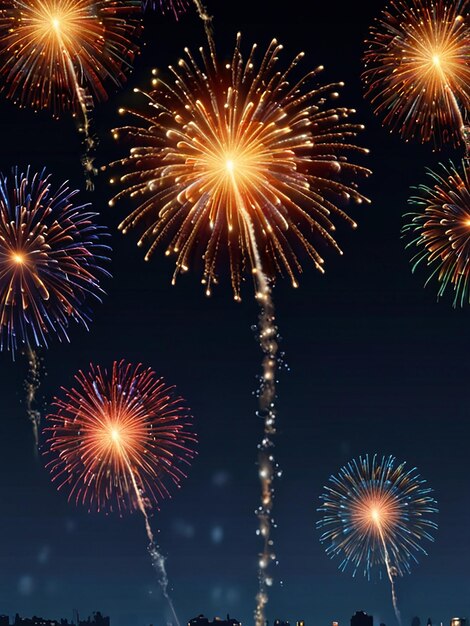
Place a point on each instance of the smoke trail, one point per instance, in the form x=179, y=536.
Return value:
x=86, y=104
x=158, y=560
x=391, y=572
x=31, y=384
x=268, y=468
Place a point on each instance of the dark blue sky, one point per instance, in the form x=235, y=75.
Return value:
x=376, y=366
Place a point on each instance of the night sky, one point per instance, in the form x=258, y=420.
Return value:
x=376, y=365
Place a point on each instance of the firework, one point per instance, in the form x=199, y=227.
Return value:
x=416, y=69
x=62, y=54
x=119, y=440
x=230, y=160
x=115, y=428
x=234, y=160
x=440, y=231
x=376, y=513
x=51, y=260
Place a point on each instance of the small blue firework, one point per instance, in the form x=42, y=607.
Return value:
x=375, y=513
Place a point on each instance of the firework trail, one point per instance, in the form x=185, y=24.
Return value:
x=32, y=384
x=207, y=22
x=233, y=159
x=416, y=69
x=117, y=439
x=391, y=571
x=268, y=468
x=59, y=55
x=157, y=558
x=375, y=513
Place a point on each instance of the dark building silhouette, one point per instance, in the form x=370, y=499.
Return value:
x=429, y=623
x=416, y=621
x=38, y=621
x=201, y=620
x=280, y=622
x=360, y=618
x=96, y=620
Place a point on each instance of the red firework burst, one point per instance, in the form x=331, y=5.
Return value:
x=119, y=439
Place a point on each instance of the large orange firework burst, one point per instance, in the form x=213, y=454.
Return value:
x=417, y=71
x=119, y=438
x=439, y=230
x=234, y=159
x=51, y=50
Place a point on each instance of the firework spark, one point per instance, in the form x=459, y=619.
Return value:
x=60, y=54
x=175, y=6
x=231, y=160
x=417, y=73
x=119, y=440
x=375, y=514
x=440, y=230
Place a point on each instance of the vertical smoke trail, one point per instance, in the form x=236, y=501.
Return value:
x=86, y=103
x=268, y=468
x=90, y=143
x=158, y=560
x=31, y=385
x=391, y=574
